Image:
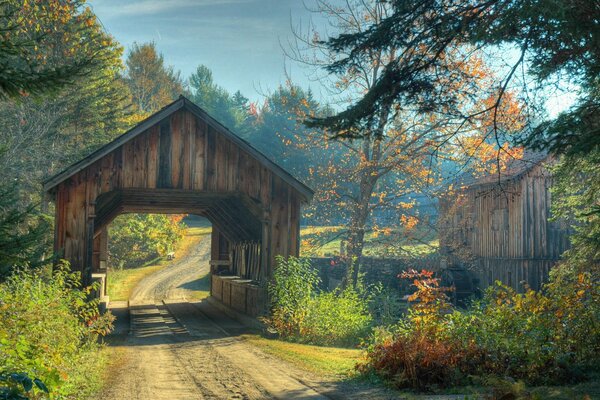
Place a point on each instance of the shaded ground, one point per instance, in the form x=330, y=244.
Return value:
x=172, y=348
x=169, y=345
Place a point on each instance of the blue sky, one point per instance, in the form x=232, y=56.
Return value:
x=239, y=40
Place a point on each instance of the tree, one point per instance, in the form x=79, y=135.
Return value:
x=22, y=233
x=64, y=98
x=43, y=134
x=388, y=159
x=45, y=45
x=555, y=39
x=136, y=238
x=152, y=84
x=279, y=131
x=576, y=198
x=232, y=111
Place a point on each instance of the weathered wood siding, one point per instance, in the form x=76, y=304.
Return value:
x=505, y=229
x=182, y=164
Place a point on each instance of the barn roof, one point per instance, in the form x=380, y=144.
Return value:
x=515, y=169
x=181, y=103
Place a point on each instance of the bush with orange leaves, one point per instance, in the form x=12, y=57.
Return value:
x=541, y=337
x=419, y=353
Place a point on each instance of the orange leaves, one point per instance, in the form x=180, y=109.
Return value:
x=176, y=218
x=406, y=205
x=408, y=221
x=486, y=157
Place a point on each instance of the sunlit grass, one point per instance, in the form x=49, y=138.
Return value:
x=120, y=283
x=198, y=231
x=325, y=241
x=330, y=361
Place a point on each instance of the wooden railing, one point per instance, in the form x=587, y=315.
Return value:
x=245, y=260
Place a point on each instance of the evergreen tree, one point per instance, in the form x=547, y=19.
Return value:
x=554, y=41
x=41, y=135
x=23, y=238
x=45, y=45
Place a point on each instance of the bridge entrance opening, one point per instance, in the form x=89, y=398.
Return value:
x=182, y=161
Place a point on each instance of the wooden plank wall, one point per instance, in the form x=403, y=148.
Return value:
x=506, y=229
x=185, y=153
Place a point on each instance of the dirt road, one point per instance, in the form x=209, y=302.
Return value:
x=178, y=281
x=177, y=350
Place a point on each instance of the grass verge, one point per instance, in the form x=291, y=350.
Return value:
x=325, y=241
x=121, y=282
x=333, y=362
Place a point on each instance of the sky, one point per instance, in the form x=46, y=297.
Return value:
x=239, y=40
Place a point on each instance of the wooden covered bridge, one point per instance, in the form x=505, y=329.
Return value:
x=181, y=160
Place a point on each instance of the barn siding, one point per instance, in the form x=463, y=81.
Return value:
x=506, y=230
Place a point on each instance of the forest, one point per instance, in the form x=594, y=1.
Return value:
x=426, y=113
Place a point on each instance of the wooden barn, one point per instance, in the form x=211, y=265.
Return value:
x=181, y=160
x=498, y=228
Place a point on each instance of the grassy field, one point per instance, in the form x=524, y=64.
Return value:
x=325, y=241
x=121, y=282
x=330, y=361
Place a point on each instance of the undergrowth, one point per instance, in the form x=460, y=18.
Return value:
x=49, y=333
x=301, y=312
x=537, y=337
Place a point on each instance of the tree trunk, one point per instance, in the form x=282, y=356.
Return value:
x=369, y=176
x=358, y=222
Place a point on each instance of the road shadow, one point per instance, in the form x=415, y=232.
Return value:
x=201, y=284
x=149, y=324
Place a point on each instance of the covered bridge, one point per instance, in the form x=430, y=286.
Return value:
x=181, y=160
x=498, y=227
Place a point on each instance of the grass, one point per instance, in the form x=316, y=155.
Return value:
x=325, y=241
x=338, y=364
x=585, y=390
x=120, y=283
x=334, y=362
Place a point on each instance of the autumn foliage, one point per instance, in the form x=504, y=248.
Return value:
x=539, y=337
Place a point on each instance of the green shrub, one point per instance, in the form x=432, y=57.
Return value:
x=340, y=317
x=136, y=238
x=19, y=386
x=294, y=285
x=300, y=312
x=49, y=330
x=385, y=305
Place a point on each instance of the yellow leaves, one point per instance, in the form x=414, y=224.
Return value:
x=486, y=157
x=408, y=221
x=406, y=205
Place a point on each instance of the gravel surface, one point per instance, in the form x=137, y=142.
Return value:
x=177, y=281
x=180, y=350
x=170, y=348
